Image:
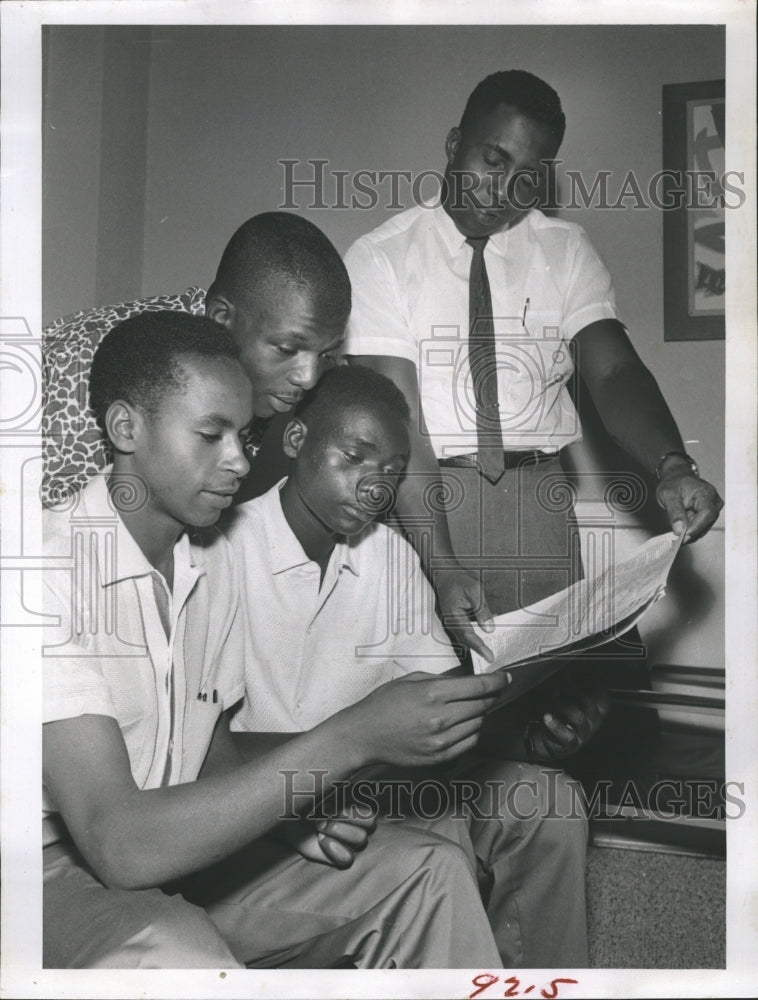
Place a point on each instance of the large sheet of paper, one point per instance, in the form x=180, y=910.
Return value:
x=532, y=641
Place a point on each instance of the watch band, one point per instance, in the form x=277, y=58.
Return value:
x=676, y=454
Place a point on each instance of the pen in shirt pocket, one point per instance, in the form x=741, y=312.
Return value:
x=526, y=309
x=203, y=696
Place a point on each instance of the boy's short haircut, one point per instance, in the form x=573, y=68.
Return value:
x=353, y=387
x=140, y=360
x=274, y=249
x=524, y=91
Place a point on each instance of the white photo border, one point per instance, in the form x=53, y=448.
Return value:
x=20, y=323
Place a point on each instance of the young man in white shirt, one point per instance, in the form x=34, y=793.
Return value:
x=156, y=849
x=338, y=605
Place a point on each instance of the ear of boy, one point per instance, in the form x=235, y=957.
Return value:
x=294, y=437
x=123, y=424
x=220, y=309
x=452, y=142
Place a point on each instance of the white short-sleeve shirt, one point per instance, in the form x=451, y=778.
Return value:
x=106, y=651
x=316, y=648
x=410, y=281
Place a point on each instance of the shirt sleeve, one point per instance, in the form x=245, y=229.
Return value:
x=590, y=296
x=378, y=321
x=73, y=685
x=73, y=682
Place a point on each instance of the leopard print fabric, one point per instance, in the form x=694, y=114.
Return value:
x=73, y=446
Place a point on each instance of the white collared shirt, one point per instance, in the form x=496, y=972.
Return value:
x=106, y=651
x=316, y=648
x=410, y=281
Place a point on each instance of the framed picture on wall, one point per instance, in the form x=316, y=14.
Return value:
x=694, y=279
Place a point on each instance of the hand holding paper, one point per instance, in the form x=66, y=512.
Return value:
x=531, y=641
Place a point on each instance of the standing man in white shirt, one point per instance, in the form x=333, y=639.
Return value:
x=540, y=305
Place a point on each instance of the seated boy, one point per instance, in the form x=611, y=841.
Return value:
x=156, y=854
x=338, y=605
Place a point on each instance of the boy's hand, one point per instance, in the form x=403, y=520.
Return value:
x=565, y=730
x=461, y=599
x=333, y=841
x=423, y=719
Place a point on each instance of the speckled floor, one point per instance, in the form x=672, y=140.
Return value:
x=651, y=910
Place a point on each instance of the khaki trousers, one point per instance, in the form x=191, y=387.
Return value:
x=408, y=901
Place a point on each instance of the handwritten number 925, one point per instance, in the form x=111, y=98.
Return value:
x=486, y=979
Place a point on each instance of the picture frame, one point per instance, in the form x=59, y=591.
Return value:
x=693, y=211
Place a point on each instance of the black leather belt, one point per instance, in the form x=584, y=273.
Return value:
x=512, y=459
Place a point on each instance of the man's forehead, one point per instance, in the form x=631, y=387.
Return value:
x=308, y=327
x=213, y=388
x=282, y=297
x=507, y=118
x=319, y=339
x=209, y=370
x=368, y=428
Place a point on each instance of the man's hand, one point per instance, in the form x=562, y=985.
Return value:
x=333, y=841
x=636, y=416
x=461, y=600
x=420, y=719
x=570, y=725
x=692, y=504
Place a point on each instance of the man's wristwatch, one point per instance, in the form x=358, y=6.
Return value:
x=676, y=454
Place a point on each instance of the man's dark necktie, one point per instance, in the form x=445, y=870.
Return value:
x=483, y=364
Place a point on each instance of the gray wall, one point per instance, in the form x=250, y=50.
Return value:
x=160, y=141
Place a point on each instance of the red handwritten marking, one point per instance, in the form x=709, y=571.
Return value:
x=554, y=988
x=486, y=979
x=477, y=981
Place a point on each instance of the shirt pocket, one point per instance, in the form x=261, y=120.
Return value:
x=550, y=352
